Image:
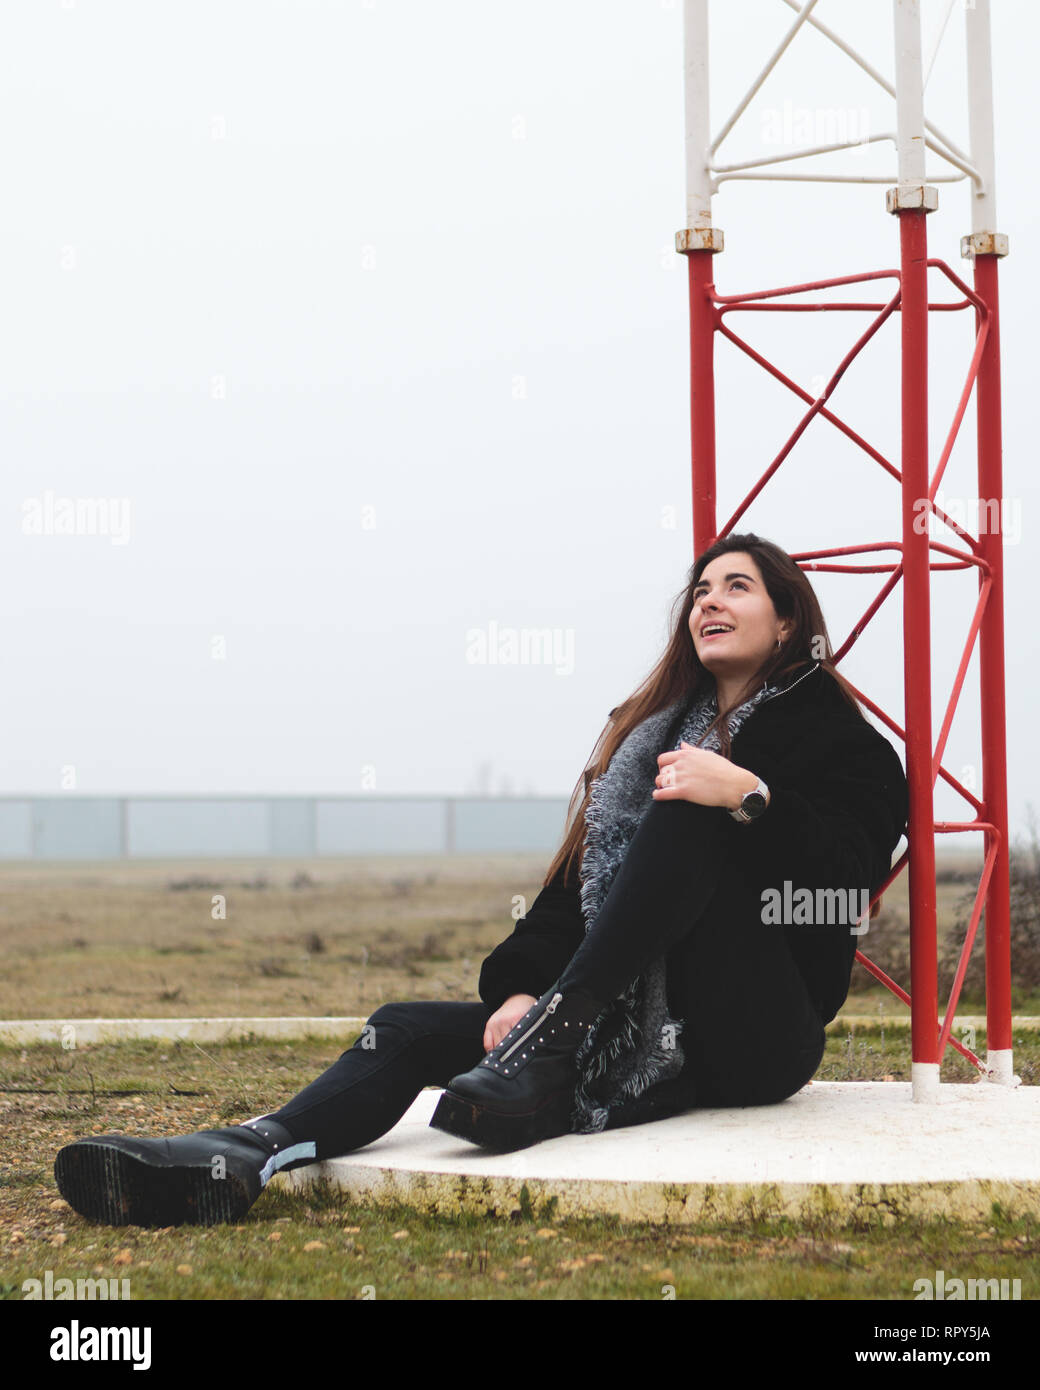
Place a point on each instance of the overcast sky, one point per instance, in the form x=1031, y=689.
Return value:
x=360, y=327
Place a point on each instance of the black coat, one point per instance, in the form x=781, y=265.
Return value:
x=837, y=810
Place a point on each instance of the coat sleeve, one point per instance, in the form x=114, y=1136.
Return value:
x=541, y=945
x=840, y=820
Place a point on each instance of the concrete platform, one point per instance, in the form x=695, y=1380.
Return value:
x=79, y=1032
x=836, y=1152
x=27, y=1032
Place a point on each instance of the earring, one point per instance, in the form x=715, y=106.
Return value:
x=779, y=644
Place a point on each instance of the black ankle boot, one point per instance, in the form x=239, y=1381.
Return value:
x=197, y=1179
x=523, y=1090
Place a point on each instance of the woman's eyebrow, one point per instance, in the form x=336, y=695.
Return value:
x=702, y=583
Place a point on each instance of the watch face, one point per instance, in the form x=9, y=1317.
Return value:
x=753, y=804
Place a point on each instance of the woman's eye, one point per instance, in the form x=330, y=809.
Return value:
x=702, y=593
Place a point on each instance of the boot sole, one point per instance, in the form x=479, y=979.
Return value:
x=107, y=1184
x=468, y=1119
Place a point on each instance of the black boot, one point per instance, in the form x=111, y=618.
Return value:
x=197, y=1179
x=523, y=1090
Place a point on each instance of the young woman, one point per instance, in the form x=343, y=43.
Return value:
x=695, y=932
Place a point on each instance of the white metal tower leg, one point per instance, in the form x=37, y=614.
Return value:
x=698, y=120
x=980, y=115
x=1000, y=1068
x=924, y=1077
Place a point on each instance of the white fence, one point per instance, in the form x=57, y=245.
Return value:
x=169, y=827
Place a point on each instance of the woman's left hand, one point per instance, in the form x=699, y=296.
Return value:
x=697, y=774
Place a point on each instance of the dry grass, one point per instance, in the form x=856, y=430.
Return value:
x=320, y=1244
x=317, y=937
x=341, y=937
x=320, y=937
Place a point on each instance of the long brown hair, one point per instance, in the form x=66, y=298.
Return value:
x=679, y=672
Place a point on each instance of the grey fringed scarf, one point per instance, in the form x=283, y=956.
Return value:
x=634, y=1044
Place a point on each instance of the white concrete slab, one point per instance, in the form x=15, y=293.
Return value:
x=838, y=1150
x=842, y=1152
x=27, y=1031
x=73, y=1032
x=902, y=1020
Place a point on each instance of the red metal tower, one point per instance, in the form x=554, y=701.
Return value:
x=916, y=556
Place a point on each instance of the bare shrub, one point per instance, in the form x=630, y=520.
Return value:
x=1024, y=883
x=887, y=945
x=196, y=882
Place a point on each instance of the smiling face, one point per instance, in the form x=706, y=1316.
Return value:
x=731, y=595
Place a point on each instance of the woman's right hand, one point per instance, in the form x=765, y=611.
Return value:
x=507, y=1017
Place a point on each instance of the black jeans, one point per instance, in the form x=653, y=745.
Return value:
x=751, y=1035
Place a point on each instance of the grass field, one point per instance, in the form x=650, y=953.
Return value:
x=321, y=1245
x=320, y=938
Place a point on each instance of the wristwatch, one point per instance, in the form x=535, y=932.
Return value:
x=752, y=804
